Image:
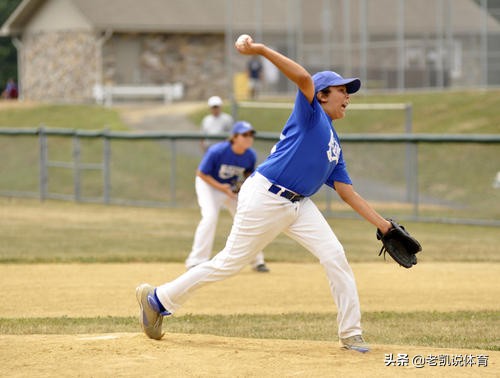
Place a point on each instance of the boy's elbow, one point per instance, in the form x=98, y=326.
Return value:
x=306, y=85
x=345, y=191
x=304, y=79
x=344, y=197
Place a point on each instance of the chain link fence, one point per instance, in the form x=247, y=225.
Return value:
x=389, y=44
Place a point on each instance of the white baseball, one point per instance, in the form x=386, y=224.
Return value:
x=242, y=40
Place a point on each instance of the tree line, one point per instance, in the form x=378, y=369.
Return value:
x=8, y=53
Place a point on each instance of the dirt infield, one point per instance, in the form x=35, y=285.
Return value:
x=79, y=290
x=86, y=290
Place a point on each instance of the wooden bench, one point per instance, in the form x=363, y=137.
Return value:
x=169, y=92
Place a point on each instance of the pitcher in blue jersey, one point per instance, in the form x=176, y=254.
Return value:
x=276, y=199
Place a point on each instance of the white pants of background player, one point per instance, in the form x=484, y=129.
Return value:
x=211, y=201
x=260, y=217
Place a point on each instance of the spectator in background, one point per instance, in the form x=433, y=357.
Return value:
x=10, y=91
x=254, y=75
x=217, y=122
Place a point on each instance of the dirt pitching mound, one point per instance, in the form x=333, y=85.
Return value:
x=180, y=355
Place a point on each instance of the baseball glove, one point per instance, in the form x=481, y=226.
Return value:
x=236, y=186
x=238, y=181
x=399, y=244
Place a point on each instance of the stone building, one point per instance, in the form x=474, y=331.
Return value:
x=66, y=47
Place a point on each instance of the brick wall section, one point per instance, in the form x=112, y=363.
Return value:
x=59, y=66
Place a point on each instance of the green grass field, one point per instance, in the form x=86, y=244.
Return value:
x=82, y=117
x=98, y=233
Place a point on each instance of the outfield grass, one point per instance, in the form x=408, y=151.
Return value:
x=32, y=231
x=82, y=117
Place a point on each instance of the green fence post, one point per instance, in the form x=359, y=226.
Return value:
x=43, y=174
x=173, y=171
x=106, y=172
x=76, y=167
x=411, y=168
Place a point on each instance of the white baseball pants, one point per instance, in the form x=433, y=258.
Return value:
x=211, y=201
x=260, y=217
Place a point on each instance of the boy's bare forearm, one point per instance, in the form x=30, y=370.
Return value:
x=291, y=69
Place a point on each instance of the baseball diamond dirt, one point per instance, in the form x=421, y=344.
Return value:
x=181, y=355
x=89, y=290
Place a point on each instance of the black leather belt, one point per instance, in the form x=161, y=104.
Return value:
x=289, y=195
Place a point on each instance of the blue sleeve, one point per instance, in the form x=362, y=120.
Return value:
x=306, y=113
x=207, y=164
x=339, y=174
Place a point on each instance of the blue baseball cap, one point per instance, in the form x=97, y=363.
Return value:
x=242, y=127
x=325, y=79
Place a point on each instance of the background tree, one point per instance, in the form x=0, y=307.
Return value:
x=8, y=53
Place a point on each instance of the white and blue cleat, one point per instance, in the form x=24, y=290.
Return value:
x=151, y=316
x=356, y=343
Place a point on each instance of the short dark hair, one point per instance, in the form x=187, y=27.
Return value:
x=326, y=91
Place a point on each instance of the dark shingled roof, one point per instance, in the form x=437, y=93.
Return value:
x=200, y=16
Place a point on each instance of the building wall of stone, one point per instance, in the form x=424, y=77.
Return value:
x=196, y=60
x=59, y=66
x=65, y=66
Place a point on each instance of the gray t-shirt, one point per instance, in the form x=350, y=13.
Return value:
x=221, y=124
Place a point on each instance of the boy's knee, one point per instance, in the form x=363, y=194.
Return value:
x=209, y=218
x=228, y=264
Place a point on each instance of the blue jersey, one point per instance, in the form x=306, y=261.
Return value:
x=224, y=165
x=308, y=154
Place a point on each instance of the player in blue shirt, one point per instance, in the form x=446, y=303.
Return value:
x=277, y=199
x=223, y=169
